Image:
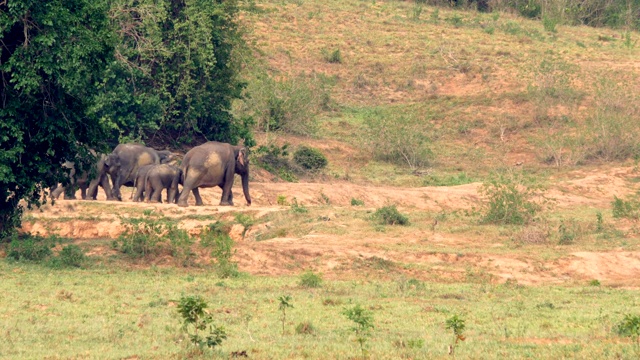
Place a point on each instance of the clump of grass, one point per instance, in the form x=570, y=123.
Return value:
x=298, y=208
x=630, y=327
x=70, y=256
x=30, y=248
x=216, y=235
x=247, y=221
x=309, y=279
x=333, y=57
x=357, y=202
x=305, y=328
x=629, y=209
x=389, y=215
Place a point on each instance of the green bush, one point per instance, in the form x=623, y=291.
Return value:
x=309, y=279
x=333, y=57
x=629, y=209
x=305, y=328
x=509, y=200
x=357, y=202
x=216, y=235
x=309, y=158
x=389, y=215
x=29, y=248
x=275, y=160
x=70, y=256
x=196, y=320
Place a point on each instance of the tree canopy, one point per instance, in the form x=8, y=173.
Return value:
x=81, y=74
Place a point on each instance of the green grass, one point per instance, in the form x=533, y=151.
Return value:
x=117, y=313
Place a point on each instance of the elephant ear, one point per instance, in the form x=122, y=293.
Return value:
x=112, y=160
x=242, y=155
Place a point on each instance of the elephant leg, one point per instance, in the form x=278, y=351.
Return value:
x=148, y=191
x=117, y=183
x=227, y=197
x=106, y=186
x=56, y=191
x=140, y=188
x=70, y=192
x=196, y=193
x=157, y=194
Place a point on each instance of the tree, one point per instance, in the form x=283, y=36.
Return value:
x=52, y=53
x=176, y=72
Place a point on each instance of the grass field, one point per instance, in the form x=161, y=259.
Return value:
x=114, y=313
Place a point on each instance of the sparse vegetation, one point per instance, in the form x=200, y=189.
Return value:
x=389, y=215
x=216, y=235
x=509, y=199
x=309, y=279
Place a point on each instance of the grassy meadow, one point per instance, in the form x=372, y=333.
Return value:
x=509, y=144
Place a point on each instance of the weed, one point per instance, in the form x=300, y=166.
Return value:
x=594, y=282
x=309, y=158
x=416, y=11
x=628, y=43
x=357, y=202
x=456, y=324
x=305, y=328
x=549, y=23
x=567, y=235
x=309, y=279
x=435, y=16
x=389, y=215
x=325, y=199
x=333, y=57
x=197, y=320
x=247, y=221
x=276, y=160
x=284, y=303
x=509, y=200
x=282, y=200
x=630, y=327
x=70, y=256
x=29, y=247
x=455, y=20
x=629, y=209
x=298, y=208
x=217, y=236
x=363, y=324
x=449, y=180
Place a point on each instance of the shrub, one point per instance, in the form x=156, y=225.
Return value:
x=196, y=320
x=217, y=236
x=363, y=324
x=397, y=138
x=29, y=247
x=70, y=256
x=629, y=209
x=276, y=160
x=357, y=202
x=333, y=57
x=389, y=215
x=309, y=158
x=309, y=279
x=305, y=328
x=298, y=208
x=509, y=200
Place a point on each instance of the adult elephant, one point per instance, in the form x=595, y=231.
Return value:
x=214, y=164
x=125, y=160
x=88, y=186
x=160, y=177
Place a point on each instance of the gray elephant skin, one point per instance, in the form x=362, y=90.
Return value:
x=214, y=164
x=160, y=177
x=139, y=182
x=83, y=181
x=125, y=160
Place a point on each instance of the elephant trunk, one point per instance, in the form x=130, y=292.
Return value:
x=245, y=187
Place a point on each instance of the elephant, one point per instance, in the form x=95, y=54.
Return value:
x=139, y=182
x=159, y=177
x=125, y=160
x=214, y=164
x=83, y=181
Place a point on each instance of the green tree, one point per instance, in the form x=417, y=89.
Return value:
x=52, y=54
x=176, y=73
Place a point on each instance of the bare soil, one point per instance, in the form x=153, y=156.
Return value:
x=349, y=250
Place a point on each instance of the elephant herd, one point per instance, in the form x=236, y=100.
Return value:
x=151, y=171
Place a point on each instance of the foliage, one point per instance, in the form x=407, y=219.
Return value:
x=247, y=221
x=333, y=57
x=29, y=247
x=196, y=320
x=217, y=236
x=53, y=55
x=397, y=137
x=298, y=208
x=509, y=199
x=284, y=303
x=389, y=215
x=310, y=158
x=552, y=85
x=456, y=324
x=70, y=256
x=629, y=209
x=449, y=180
x=309, y=279
x=151, y=236
x=288, y=104
x=357, y=202
x=275, y=159
x=363, y=324
x=176, y=74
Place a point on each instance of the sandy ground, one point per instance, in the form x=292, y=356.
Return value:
x=335, y=255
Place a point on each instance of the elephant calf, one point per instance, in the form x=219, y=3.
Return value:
x=140, y=181
x=161, y=177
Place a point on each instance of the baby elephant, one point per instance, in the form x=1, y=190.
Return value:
x=159, y=177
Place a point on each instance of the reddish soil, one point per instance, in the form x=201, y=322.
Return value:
x=355, y=253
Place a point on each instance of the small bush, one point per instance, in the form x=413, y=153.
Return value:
x=275, y=160
x=29, y=248
x=333, y=57
x=389, y=215
x=196, y=320
x=629, y=209
x=298, y=208
x=357, y=202
x=629, y=326
x=309, y=279
x=309, y=158
x=509, y=200
x=216, y=235
x=70, y=256
x=549, y=24
x=152, y=236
